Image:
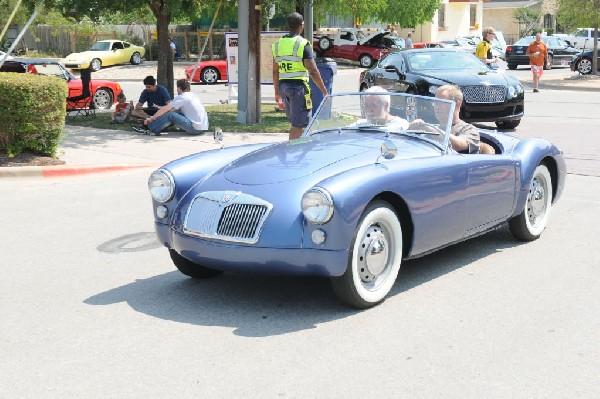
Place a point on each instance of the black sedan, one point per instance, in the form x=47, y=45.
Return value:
x=559, y=52
x=582, y=62
x=489, y=96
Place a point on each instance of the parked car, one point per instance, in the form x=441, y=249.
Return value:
x=104, y=92
x=208, y=72
x=560, y=52
x=352, y=198
x=489, y=96
x=582, y=38
x=105, y=53
x=353, y=44
x=582, y=62
x=429, y=45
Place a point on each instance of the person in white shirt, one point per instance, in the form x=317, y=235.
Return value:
x=184, y=111
x=408, y=41
x=376, y=109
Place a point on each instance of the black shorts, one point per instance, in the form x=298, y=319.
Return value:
x=292, y=95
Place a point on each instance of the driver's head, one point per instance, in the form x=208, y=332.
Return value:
x=447, y=92
x=376, y=106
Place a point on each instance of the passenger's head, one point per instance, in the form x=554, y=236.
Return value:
x=295, y=22
x=488, y=33
x=121, y=97
x=377, y=104
x=538, y=37
x=182, y=86
x=150, y=83
x=448, y=92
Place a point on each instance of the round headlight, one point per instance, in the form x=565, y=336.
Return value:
x=317, y=205
x=161, y=185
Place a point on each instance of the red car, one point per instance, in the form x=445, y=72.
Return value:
x=104, y=92
x=352, y=44
x=208, y=72
x=429, y=45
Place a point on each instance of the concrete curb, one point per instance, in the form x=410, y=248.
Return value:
x=45, y=172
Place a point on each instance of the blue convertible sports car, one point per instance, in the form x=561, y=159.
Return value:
x=358, y=193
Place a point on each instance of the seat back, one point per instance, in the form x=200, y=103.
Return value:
x=82, y=104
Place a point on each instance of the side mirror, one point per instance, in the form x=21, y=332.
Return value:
x=391, y=68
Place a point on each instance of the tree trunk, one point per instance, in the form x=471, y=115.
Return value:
x=165, y=75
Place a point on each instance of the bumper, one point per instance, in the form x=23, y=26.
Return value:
x=517, y=60
x=250, y=259
x=77, y=65
x=493, y=113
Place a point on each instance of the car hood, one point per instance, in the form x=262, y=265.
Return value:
x=85, y=55
x=326, y=153
x=465, y=79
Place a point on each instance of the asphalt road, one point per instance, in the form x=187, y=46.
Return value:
x=91, y=306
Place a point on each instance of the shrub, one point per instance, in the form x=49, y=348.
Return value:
x=33, y=113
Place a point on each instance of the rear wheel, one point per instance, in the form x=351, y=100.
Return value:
x=512, y=66
x=209, y=75
x=190, y=268
x=375, y=258
x=530, y=223
x=584, y=66
x=96, y=65
x=325, y=43
x=136, y=58
x=365, y=60
x=103, y=99
x=508, y=124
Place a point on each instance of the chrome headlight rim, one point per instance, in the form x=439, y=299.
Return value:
x=166, y=176
x=326, y=201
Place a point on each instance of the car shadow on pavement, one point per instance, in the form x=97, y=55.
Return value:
x=261, y=306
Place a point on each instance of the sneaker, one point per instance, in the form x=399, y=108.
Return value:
x=536, y=91
x=141, y=129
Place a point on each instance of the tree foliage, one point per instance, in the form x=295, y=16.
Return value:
x=528, y=19
x=582, y=13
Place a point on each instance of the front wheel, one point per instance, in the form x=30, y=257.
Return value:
x=584, y=66
x=325, y=43
x=375, y=258
x=190, y=268
x=365, y=60
x=530, y=223
x=136, y=58
x=209, y=75
x=96, y=65
x=103, y=99
x=508, y=124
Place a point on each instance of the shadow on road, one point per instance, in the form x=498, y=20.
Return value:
x=260, y=306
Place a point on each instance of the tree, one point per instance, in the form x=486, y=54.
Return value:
x=163, y=11
x=528, y=20
x=582, y=13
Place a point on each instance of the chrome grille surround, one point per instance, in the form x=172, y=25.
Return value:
x=227, y=215
x=484, y=94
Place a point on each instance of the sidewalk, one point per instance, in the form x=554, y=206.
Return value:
x=87, y=150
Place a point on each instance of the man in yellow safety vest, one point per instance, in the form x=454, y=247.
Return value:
x=293, y=62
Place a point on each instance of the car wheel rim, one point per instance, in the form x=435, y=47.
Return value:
x=365, y=61
x=585, y=66
x=137, y=58
x=210, y=76
x=537, y=201
x=101, y=99
x=374, y=257
x=96, y=65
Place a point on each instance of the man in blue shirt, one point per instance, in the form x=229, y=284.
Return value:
x=156, y=96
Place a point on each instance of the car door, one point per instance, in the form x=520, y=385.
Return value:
x=491, y=195
x=389, y=78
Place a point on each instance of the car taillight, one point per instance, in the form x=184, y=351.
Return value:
x=508, y=49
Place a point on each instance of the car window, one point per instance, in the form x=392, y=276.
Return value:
x=458, y=60
x=117, y=46
x=49, y=70
x=581, y=33
x=127, y=45
x=394, y=59
x=101, y=46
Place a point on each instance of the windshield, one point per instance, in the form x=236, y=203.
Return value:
x=422, y=118
x=101, y=46
x=449, y=60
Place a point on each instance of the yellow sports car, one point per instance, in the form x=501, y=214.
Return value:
x=105, y=53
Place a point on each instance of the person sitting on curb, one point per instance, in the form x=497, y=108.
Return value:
x=185, y=111
x=122, y=109
x=155, y=95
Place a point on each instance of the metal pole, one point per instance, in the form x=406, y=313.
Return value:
x=20, y=36
x=308, y=21
x=243, y=61
x=12, y=14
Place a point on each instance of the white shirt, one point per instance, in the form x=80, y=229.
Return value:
x=191, y=107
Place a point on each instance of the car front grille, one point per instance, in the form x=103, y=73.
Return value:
x=227, y=216
x=484, y=94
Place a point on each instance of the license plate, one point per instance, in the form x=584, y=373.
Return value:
x=565, y=62
x=519, y=51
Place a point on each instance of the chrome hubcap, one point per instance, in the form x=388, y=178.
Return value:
x=373, y=254
x=536, y=200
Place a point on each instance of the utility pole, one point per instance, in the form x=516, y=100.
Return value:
x=249, y=27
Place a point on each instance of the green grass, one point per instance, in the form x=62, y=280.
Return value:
x=223, y=116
